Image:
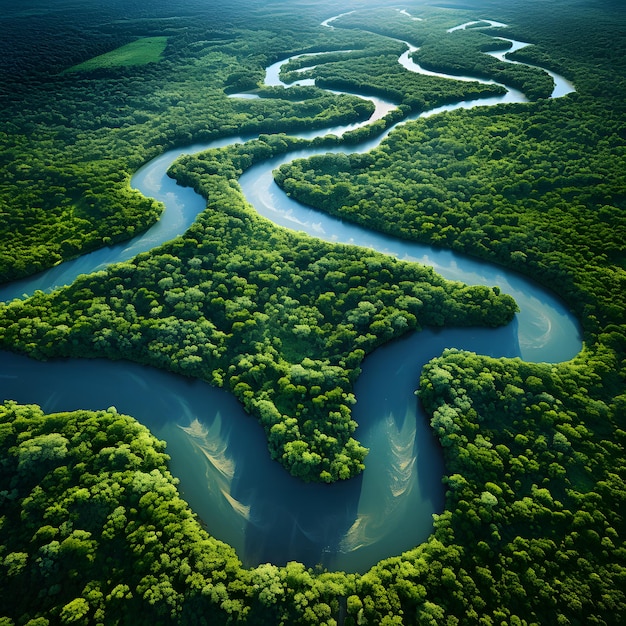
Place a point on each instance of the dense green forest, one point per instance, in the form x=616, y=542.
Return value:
x=92, y=527
x=282, y=321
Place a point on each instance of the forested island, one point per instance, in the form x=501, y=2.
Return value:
x=93, y=528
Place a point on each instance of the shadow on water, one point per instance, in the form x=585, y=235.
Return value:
x=290, y=520
x=220, y=456
x=402, y=483
x=218, y=452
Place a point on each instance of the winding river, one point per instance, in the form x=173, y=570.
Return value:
x=219, y=453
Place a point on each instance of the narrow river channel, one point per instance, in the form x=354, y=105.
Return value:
x=219, y=453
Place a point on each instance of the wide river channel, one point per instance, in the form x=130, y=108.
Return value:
x=219, y=453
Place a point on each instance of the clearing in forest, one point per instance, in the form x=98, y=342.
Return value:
x=139, y=52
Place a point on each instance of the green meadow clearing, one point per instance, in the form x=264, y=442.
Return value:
x=140, y=52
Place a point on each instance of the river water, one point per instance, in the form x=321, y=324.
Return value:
x=220, y=454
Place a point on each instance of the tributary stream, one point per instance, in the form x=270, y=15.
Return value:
x=220, y=454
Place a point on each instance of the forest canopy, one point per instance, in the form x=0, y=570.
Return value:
x=93, y=529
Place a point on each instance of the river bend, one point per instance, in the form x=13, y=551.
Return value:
x=220, y=454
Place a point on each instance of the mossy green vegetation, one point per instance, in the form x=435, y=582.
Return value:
x=139, y=52
x=92, y=528
x=375, y=70
x=535, y=463
x=531, y=532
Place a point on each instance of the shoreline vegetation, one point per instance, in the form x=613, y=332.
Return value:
x=533, y=532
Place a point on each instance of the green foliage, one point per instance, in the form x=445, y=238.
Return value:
x=92, y=529
x=463, y=53
x=104, y=538
x=376, y=71
x=280, y=319
x=535, y=491
x=539, y=189
x=70, y=142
